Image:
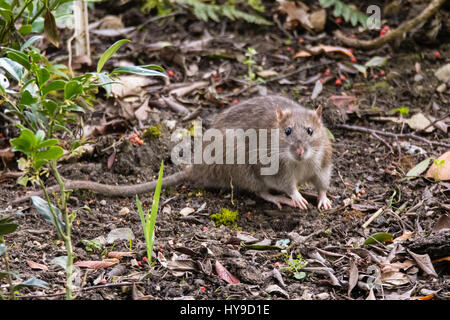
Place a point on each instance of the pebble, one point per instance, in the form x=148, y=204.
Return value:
x=103, y=202
x=323, y=296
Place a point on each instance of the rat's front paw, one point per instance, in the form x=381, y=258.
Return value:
x=324, y=202
x=299, y=201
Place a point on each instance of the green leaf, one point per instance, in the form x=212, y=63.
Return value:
x=52, y=153
x=13, y=68
x=32, y=282
x=109, y=52
x=299, y=275
x=53, y=86
x=419, y=168
x=47, y=143
x=19, y=57
x=379, y=237
x=42, y=207
x=376, y=62
x=138, y=70
x=7, y=226
x=361, y=69
x=30, y=42
x=72, y=89
x=42, y=76
x=27, y=99
x=50, y=28
x=25, y=29
x=25, y=142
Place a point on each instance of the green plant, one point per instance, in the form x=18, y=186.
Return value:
x=148, y=220
x=31, y=16
x=48, y=100
x=349, y=13
x=7, y=226
x=439, y=166
x=251, y=76
x=225, y=217
x=209, y=10
x=295, y=265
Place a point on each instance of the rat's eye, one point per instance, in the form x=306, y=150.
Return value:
x=309, y=131
x=288, y=131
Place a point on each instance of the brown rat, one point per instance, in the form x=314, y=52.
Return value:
x=303, y=155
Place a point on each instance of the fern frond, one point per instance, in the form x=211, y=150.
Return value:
x=349, y=14
x=207, y=11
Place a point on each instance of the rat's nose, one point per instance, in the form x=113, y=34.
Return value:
x=299, y=151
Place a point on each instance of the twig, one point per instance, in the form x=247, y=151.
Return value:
x=393, y=135
x=435, y=121
x=400, y=30
x=373, y=217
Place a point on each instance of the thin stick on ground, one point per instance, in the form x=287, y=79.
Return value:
x=393, y=135
x=406, y=26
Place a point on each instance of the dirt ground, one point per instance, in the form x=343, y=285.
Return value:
x=368, y=174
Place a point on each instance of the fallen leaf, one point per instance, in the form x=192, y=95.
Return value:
x=419, y=168
x=394, y=278
x=186, y=211
x=353, y=276
x=323, y=48
x=318, y=19
x=128, y=85
x=442, y=170
x=378, y=237
x=119, y=234
x=182, y=265
x=96, y=264
x=224, y=274
x=35, y=265
x=342, y=101
x=273, y=288
x=424, y=262
x=405, y=236
x=295, y=15
x=387, y=266
x=267, y=73
x=419, y=122
x=428, y=297
x=119, y=254
x=443, y=73
x=443, y=224
x=318, y=87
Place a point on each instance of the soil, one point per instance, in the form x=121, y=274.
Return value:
x=190, y=249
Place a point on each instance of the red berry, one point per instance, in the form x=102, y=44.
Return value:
x=353, y=59
x=145, y=259
x=235, y=100
x=350, y=106
x=338, y=82
x=343, y=78
x=382, y=73
x=437, y=54
x=375, y=76
x=170, y=73
x=327, y=72
x=203, y=289
x=338, y=20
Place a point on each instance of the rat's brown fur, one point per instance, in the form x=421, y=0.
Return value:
x=266, y=112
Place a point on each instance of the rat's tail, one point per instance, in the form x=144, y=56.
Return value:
x=112, y=190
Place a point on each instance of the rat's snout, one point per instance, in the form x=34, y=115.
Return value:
x=299, y=151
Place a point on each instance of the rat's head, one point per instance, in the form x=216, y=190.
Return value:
x=301, y=133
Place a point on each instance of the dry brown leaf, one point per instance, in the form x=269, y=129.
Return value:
x=443, y=224
x=318, y=19
x=129, y=85
x=394, y=278
x=225, y=275
x=323, y=48
x=342, y=101
x=442, y=170
x=6, y=155
x=97, y=264
x=405, y=236
x=424, y=262
x=35, y=265
x=120, y=254
x=396, y=266
x=353, y=276
x=295, y=15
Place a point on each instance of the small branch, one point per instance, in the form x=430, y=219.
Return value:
x=393, y=135
x=400, y=30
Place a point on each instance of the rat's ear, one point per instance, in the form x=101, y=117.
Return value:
x=279, y=113
x=319, y=112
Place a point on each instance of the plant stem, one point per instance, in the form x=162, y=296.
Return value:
x=8, y=270
x=67, y=236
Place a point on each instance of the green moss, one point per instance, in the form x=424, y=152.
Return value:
x=225, y=217
x=153, y=131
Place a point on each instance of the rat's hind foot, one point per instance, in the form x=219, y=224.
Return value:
x=277, y=200
x=323, y=201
